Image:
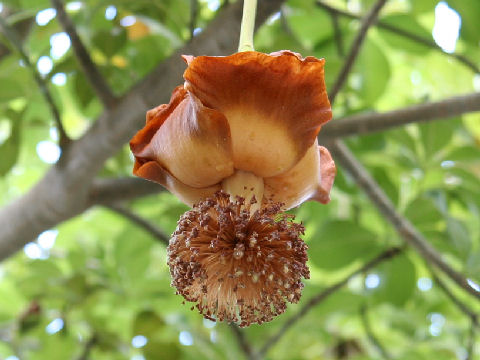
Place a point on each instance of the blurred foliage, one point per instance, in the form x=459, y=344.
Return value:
x=106, y=282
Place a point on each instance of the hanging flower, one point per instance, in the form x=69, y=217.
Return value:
x=238, y=142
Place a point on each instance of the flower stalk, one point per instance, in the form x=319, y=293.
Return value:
x=248, y=26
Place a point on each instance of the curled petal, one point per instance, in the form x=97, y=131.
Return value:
x=152, y=171
x=274, y=104
x=189, y=140
x=311, y=178
x=328, y=172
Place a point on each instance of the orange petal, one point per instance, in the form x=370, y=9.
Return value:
x=311, y=178
x=274, y=104
x=152, y=171
x=187, y=139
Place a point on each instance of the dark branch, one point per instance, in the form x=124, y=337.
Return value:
x=365, y=123
x=458, y=303
x=471, y=341
x=386, y=255
x=404, y=33
x=90, y=70
x=406, y=230
x=85, y=355
x=15, y=41
x=146, y=225
x=193, y=16
x=357, y=43
x=370, y=335
x=337, y=32
x=115, y=190
x=243, y=342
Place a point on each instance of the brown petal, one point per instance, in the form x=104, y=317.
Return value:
x=152, y=171
x=311, y=178
x=189, y=140
x=274, y=104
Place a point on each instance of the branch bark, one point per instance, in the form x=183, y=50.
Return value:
x=323, y=295
x=146, y=225
x=64, y=191
x=243, y=342
x=90, y=70
x=365, y=123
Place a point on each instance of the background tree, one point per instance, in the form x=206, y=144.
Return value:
x=395, y=257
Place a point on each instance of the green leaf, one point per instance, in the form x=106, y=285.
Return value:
x=423, y=213
x=10, y=148
x=470, y=26
x=10, y=89
x=338, y=243
x=374, y=70
x=459, y=235
x=436, y=135
x=397, y=281
x=409, y=24
x=110, y=42
x=155, y=350
x=83, y=90
x=147, y=323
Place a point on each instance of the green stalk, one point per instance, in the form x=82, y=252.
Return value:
x=248, y=26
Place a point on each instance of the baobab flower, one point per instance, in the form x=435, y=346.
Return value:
x=238, y=142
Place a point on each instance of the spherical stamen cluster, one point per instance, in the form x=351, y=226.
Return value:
x=236, y=265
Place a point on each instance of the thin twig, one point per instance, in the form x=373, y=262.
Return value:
x=337, y=32
x=243, y=342
x=90, y=70
x=155, y=231
x=367, y=21
x=365, y=123
x=386, y=255
x=370, y=335
x=408, y=232
x=85, y=355
x=15, y=41
x=471, y=341
x=460, y=305
x=404, y=33
x=193, y=16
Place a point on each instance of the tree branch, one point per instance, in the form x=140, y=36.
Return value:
x=146, y=225
x=370, y=335
x=64, y=191
x=193, y=16
x=357, y=43
x=87, y=65
x=405, y=229
x=337, y=33
x=272, y=340
x=15, y=41
x=85, y=355
x=114, y=190
x=365, y=123
x=243, y=342
x=404, y=33
x=458, y=303
x=471, y=341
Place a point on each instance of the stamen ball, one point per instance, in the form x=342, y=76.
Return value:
x=236, y=265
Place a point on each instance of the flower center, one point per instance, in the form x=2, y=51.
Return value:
x=238, y=266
